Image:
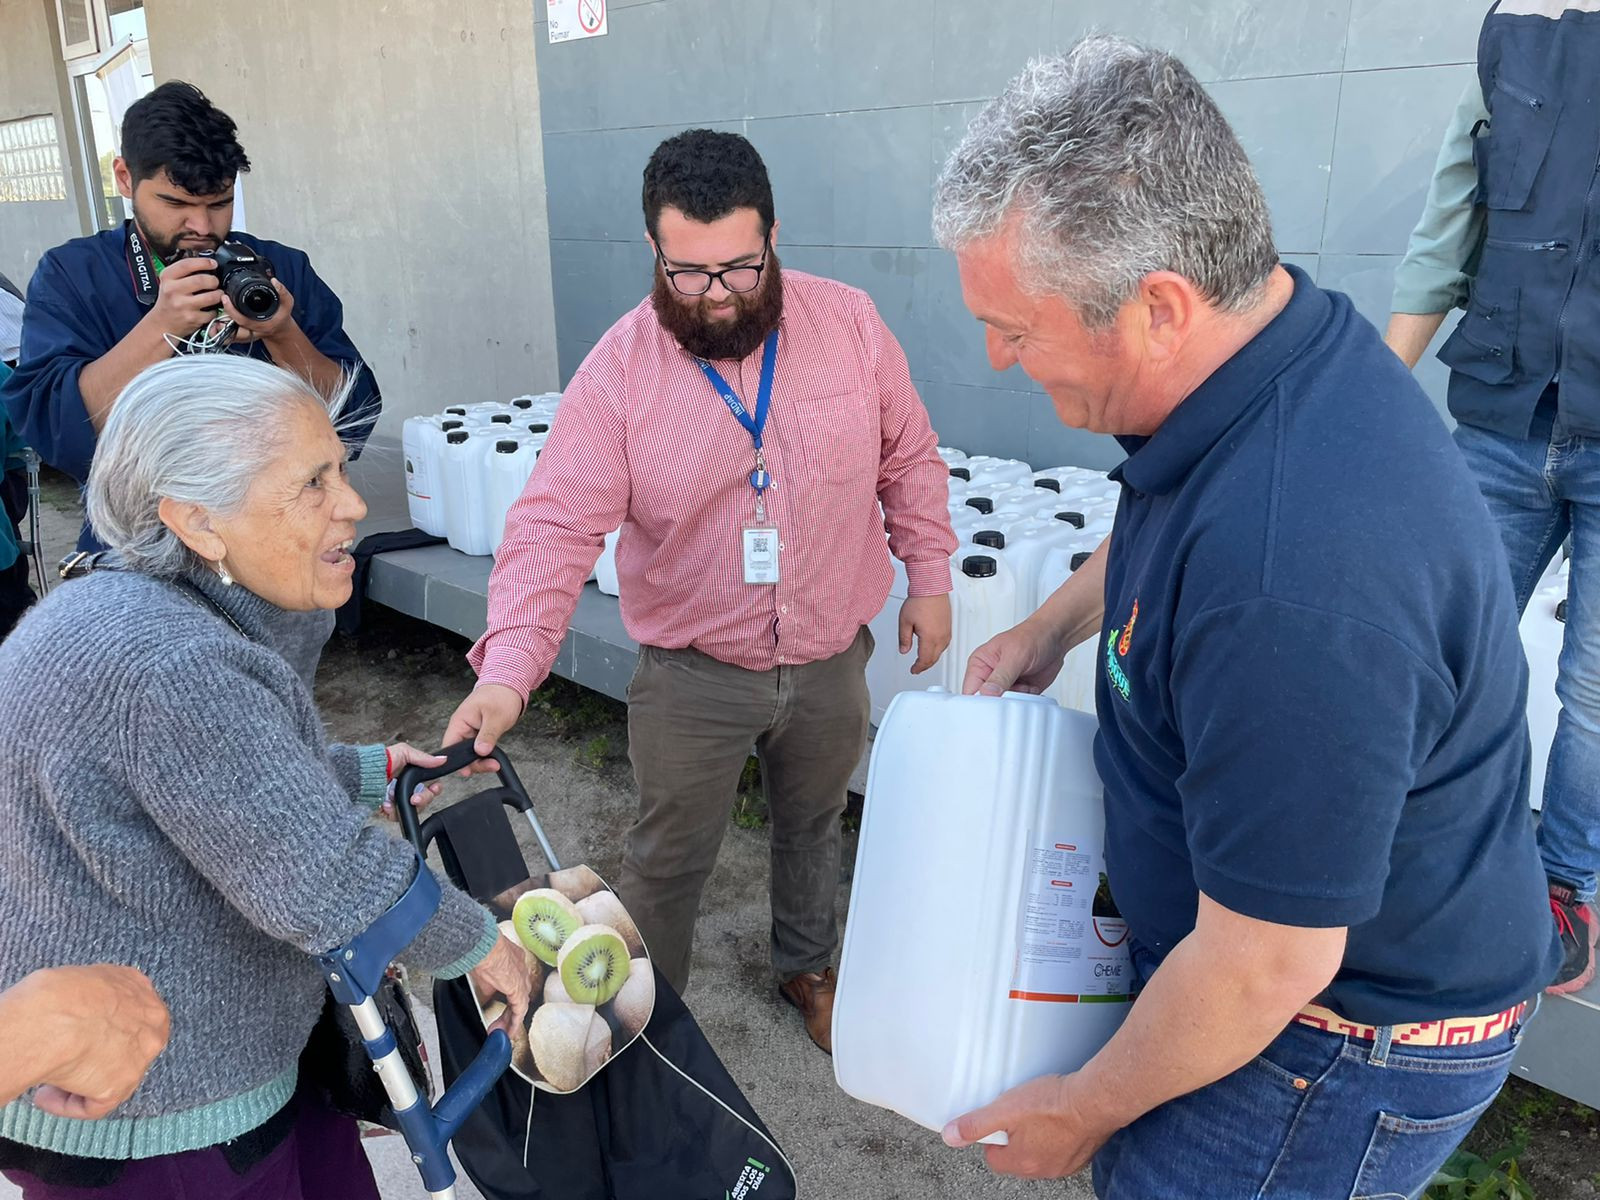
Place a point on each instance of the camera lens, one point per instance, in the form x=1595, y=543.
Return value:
x=255, y=298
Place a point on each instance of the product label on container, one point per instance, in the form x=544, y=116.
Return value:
x=417, y=481
x=1072, y=945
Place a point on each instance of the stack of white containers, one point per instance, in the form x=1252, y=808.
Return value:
x=1022, y=532
x=466, y=466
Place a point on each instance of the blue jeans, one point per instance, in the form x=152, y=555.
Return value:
x=1540, y=490
x=1316, y=1116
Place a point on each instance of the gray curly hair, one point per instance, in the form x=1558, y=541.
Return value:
x=194, y=430
x=1116, y=163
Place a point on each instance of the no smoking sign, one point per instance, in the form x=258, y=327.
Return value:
x=572, y=19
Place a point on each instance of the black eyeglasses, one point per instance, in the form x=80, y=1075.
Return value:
x=735, y=279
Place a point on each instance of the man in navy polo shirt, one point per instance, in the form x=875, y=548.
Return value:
x=1311, y=688
x=102, y=308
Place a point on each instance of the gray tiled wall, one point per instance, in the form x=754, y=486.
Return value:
x=1341, y=104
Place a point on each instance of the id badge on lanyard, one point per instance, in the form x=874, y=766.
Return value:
x=759, y=543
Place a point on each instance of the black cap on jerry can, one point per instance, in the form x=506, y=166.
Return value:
x=1075, y=519
x=982, y=503
x=978, y=566
x=456, y=436
x=506, y=446
x=1052, y=485
x=1081, y=557
x=992, y=538
x=961, y=473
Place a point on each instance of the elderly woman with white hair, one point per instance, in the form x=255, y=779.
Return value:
x=171, y=802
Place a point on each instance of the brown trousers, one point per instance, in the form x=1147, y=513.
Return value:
x=692, y=723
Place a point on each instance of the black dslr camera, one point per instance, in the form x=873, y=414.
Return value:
x=245, y=277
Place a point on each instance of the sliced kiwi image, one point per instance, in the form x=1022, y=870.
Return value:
x=637, y=999
x=575, y=882
x=559, y=1040
x=596, y=1045
x=603, y=908
x=593, y=964
x=522, y=1058
x=554, y=993
x=544, y=919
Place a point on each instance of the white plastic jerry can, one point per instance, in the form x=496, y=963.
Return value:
x=983, y=604
x=985, y=814
x=605, y=567
x=465, y=503
x=421, y=441
x=997, y=472
x=1027, y=547
x=509, y=463
x=1543, y=628
x=951, y=456
x=1066, y=477
x=1074, y=685
x=889, y=671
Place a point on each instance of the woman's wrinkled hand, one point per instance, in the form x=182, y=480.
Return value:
x=403, y=755
x=505, y=974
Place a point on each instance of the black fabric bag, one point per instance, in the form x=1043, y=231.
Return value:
x=663, y=1120
x=347, y=618
x=336, y=1065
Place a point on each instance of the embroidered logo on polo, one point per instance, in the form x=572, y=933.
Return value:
x=1118, y=642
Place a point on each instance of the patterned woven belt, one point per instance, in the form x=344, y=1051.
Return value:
x=1447, y=1031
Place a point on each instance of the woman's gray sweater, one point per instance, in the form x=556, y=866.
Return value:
x=168, y=801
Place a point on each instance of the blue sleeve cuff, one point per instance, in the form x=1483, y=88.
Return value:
x=374, y=763
x=1306, y=909
x=479, y=952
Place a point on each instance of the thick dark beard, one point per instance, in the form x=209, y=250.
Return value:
x=757, y=316
x=166, y=251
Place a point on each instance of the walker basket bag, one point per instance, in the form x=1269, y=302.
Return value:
x=660, y=1119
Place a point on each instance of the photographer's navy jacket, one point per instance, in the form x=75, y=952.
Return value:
x=85, y=298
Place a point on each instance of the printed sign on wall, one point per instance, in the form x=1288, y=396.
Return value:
x=571, y=19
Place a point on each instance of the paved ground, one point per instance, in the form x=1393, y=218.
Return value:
x=402, y=679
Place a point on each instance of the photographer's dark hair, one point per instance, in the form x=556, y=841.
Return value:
x=706, y=174
x=175, y=127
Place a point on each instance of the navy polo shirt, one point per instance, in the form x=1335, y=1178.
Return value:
x=1311, y=688
x=83, y=301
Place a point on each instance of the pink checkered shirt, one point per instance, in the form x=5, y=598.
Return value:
x=643, y=441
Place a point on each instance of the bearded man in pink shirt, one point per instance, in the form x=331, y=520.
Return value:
x=755, y=433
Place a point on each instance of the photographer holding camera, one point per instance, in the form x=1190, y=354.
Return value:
x=173, y=280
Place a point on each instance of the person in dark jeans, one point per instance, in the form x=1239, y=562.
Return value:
x=1508, y=234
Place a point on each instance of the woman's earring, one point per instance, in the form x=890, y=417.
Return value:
x=222, y=573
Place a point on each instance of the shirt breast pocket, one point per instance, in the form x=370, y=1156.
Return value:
x=839, y=438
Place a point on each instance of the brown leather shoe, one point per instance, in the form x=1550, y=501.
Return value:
x=812, y=994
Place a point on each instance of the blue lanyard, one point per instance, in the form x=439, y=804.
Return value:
x=759, y=479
